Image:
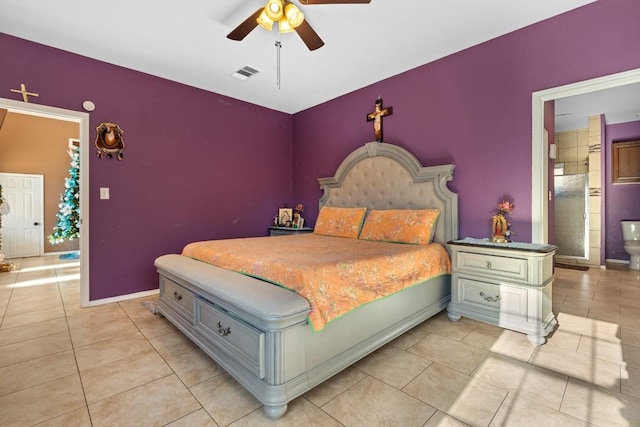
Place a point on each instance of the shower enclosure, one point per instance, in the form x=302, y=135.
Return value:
x=570, y=215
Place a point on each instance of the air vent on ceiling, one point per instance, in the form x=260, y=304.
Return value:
x=245, y=72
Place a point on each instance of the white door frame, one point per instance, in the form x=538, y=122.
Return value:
x=82, y=119
x=539, y=150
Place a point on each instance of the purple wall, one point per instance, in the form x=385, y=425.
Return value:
x=473, y=109
x=200, y=165
x=622, y=200
x=197, y=165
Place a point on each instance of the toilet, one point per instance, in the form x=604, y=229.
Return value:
x=631, y=238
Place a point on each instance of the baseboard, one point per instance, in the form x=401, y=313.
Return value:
x=617, y=261
x=126, y=297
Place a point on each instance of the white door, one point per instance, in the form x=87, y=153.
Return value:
x=22, y=232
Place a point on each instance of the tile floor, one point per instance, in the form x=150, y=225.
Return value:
x=119, y=365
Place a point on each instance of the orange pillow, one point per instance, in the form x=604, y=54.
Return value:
x=401, y=225
x=339, y=222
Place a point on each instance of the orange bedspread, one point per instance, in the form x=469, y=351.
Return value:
x=334, y=274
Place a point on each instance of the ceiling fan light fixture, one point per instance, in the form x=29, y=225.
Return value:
x=274, y=9
x=284, y=26
x=293, y=14
x=264, y=21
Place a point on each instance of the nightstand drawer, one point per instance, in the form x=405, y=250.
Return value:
x=239, y=339
x=177, y=297
x=509, y=301
x=493, y=266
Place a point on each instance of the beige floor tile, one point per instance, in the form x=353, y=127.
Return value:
x=600, y=305
x=192, y=366
x=324, y=392
x=155, y=326
x=631, y=355
x=77, y=418
x=225, y=399
x=104, y=352
x=577, y=293
x=409, y=338
x=199, y=418
x=517, y=411
x=173, y=342
x=631, y=381
x=484, y=336
x=523, y=379
x=513, y=344
x=122, y=375
x=35, y=348
x=582, y=325
x=373, y=403
x=299, y=413
x=393, y=366
x=137, y=309
x=154, y=404
x=564, y=340
x=96, y=318
x=577, y=365
x=106, y=331
x=27, y=374
x=35, y=330
x=443, y=326
x=602, y=349
x=448, y=352
x=32, y=317
x=469, y=400
x=26, y=305
x=604, y=408
x=440, y=419
x=574, y=310
x=42, y=402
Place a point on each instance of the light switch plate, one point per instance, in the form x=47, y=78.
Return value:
x=104, y=193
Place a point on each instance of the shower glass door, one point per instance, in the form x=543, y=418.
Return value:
x=571, y=219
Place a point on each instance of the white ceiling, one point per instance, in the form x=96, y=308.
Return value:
x=619, y=105
x=185, y=41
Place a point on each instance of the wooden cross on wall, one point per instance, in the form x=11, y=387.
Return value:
x=23, y=91
x=376, y=116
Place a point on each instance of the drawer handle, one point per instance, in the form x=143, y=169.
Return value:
x=490, y=299
x=177, y=296
x=488, y=264
x=222, y=331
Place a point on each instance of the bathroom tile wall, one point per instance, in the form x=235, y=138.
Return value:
x=595, y=189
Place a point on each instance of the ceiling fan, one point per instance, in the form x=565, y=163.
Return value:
x=288, y=17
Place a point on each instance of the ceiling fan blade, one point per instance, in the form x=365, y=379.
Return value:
x=309, y=36
x=334, y=1
x=241, y=31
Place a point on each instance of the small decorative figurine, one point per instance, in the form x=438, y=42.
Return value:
x=500, y=227
x=109, y=140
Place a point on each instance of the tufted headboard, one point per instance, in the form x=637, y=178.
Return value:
x=385, y=176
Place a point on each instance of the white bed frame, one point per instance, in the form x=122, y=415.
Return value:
x=258, y=332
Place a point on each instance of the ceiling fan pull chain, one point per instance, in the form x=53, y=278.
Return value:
x=278, y=47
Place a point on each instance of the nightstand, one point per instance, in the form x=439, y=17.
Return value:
x=282, y=231
x=504, y=284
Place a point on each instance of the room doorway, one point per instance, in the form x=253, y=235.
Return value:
x=82, y=119
x=22, y=232
x=540, y=150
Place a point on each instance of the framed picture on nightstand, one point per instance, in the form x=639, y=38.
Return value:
x=285, y=216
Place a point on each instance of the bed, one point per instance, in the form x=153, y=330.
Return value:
x=261, y=333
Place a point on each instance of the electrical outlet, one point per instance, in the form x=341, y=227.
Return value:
x=104, y=193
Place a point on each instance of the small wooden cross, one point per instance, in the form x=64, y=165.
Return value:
x=23, y=91
x=376, y=115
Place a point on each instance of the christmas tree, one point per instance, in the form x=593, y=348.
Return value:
x=68, y=226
